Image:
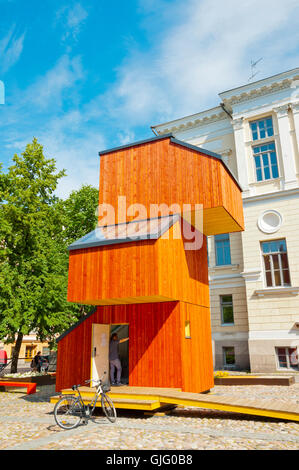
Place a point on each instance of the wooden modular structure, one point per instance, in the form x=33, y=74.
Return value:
x=159, y=352
x=141, y=272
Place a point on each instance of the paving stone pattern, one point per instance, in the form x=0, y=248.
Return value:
x=27, y=422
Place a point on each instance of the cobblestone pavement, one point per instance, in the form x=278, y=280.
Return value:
x=27, y=422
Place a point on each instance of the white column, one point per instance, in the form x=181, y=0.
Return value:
x=295, y=109
x=241, y=155
x=288, y=157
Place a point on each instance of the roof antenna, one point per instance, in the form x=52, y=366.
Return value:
x=254, y=72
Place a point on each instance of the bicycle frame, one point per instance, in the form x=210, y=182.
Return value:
x=98, y=392
x=76, y=407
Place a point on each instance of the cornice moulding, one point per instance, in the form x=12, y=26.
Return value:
x=171, y=127
x=281, y=111
x=272, y=195
x=257, y=92
x=249, y=92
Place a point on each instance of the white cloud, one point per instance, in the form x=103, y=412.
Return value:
x=53, y=87
x=11, y=47
x=78, y=155
x=68, y=136
x=207, y=51
x=126, y=137
x=47, y=93
x=74, y=146
x=73, y=18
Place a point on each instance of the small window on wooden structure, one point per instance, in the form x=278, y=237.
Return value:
x=187, y=329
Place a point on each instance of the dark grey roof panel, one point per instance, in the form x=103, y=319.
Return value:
x=132, y=144
x=148, y=229
x=71, y=328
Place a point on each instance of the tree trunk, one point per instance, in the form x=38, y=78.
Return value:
x=16, y=352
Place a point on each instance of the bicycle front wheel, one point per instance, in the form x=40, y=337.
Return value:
x=108, y=408
x=68, y=412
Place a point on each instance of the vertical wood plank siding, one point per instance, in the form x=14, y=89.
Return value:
x=163, y=172
x=154, y=347
x=159, y=353
x=197, y=355
x=146, y=271
x=156, y=285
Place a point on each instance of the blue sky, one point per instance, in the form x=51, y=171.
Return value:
x=82, y=76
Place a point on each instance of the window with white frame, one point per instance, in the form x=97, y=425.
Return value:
x=276, y=264
x=222, y=249
x=262, y=128
x=287, y=358
x=227, y=310
x=265, y=160
x=264, y=154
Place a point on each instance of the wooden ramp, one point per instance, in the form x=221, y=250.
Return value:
x=149, y=399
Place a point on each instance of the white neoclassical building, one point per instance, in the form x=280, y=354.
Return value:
x=254, y=275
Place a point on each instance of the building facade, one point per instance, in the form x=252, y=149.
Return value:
x=29, y=348
x=254, y=275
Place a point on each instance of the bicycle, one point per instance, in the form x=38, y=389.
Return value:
x=70, y=410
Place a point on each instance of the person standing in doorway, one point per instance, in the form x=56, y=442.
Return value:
x=114, y=359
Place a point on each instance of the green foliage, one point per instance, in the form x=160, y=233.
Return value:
x=35, y=230
x=79, y=213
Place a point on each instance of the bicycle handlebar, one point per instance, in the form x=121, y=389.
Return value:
x=74, y=387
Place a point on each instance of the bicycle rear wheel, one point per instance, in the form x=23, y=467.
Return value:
x=108, y=408
x=68, y=412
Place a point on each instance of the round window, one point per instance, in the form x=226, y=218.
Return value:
x=269, y=221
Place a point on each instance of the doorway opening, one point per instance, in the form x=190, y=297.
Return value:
x=122, y=331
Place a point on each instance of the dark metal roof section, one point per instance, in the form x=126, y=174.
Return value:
x=132, y=144
x=71, y=328
x=136, y=230
x=177, y=142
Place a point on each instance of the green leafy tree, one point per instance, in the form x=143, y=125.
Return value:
x=79, y=213
x=79, y=217
x=35, y=228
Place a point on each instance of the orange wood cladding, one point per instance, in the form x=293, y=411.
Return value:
x=196, y=352
x=158, y=287
x=143, y=271
x=162, y=172
x=159, y=353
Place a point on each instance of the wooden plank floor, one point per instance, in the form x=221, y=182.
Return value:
x=233, y=403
